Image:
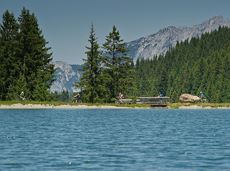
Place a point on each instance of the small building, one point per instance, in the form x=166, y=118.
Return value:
x=154, y=101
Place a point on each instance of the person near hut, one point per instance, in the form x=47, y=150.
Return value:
x=22, y=96
x=77, y=98
x=203, y=97
x=120, y=97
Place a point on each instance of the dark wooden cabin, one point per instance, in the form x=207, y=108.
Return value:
x=154, y=101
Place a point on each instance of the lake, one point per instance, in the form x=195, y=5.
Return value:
x=114, y=140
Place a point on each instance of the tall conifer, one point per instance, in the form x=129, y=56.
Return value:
x=9, y=65
x=119, y=66
x=35, y=57
x=91, y=80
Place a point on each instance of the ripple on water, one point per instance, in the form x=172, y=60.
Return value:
x=107, y=140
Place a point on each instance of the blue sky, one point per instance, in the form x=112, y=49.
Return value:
x=66, y=23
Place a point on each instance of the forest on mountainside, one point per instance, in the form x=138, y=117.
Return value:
x=193, y=66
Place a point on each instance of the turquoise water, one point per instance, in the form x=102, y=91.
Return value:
x=104, y=140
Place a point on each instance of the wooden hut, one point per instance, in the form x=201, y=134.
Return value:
x=154, y=101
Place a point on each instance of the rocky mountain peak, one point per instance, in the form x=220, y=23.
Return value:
x=160, y=42
x=66, y=76
x=216, y=20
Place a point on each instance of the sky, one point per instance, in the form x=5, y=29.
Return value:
x=66, y=23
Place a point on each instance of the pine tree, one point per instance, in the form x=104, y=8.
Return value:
x=35, y=57
x=119, y=66
x=9, y=65
x=91, y=80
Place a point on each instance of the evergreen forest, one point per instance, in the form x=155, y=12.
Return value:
x=193, y=66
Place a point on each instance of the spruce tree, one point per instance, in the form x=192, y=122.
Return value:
x=35, y=57
x=9, y=65
x=91, y=80
x=119, y=66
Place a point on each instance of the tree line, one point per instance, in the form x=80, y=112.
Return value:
x=193, y=66
x=107, y=70
x=26, y=71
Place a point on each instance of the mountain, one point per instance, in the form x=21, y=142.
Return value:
x=66, y=76
x=146, y=47
x=160, y=42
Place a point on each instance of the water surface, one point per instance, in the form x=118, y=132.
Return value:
x=104, y=140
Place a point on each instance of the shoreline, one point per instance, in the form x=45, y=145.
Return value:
x=63, y=106
x=201, y=107
x=110, y=106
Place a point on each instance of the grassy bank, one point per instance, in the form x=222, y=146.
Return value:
x=170, y=105
x=201, y=105
x=55, y=103
x=59, y=103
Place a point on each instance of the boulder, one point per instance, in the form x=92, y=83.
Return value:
x=189, y=98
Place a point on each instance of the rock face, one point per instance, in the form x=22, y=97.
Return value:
x=65, y=77
x=189, y=98
x=160, y=42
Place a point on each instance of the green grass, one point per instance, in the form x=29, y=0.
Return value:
x=170, y=105
x=32, y=102
x=58, y=103
x=212, y=105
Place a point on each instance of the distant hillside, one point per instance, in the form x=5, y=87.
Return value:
x=199, y=65
x=144, y=48
x=160, y=42
x=65, y=77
